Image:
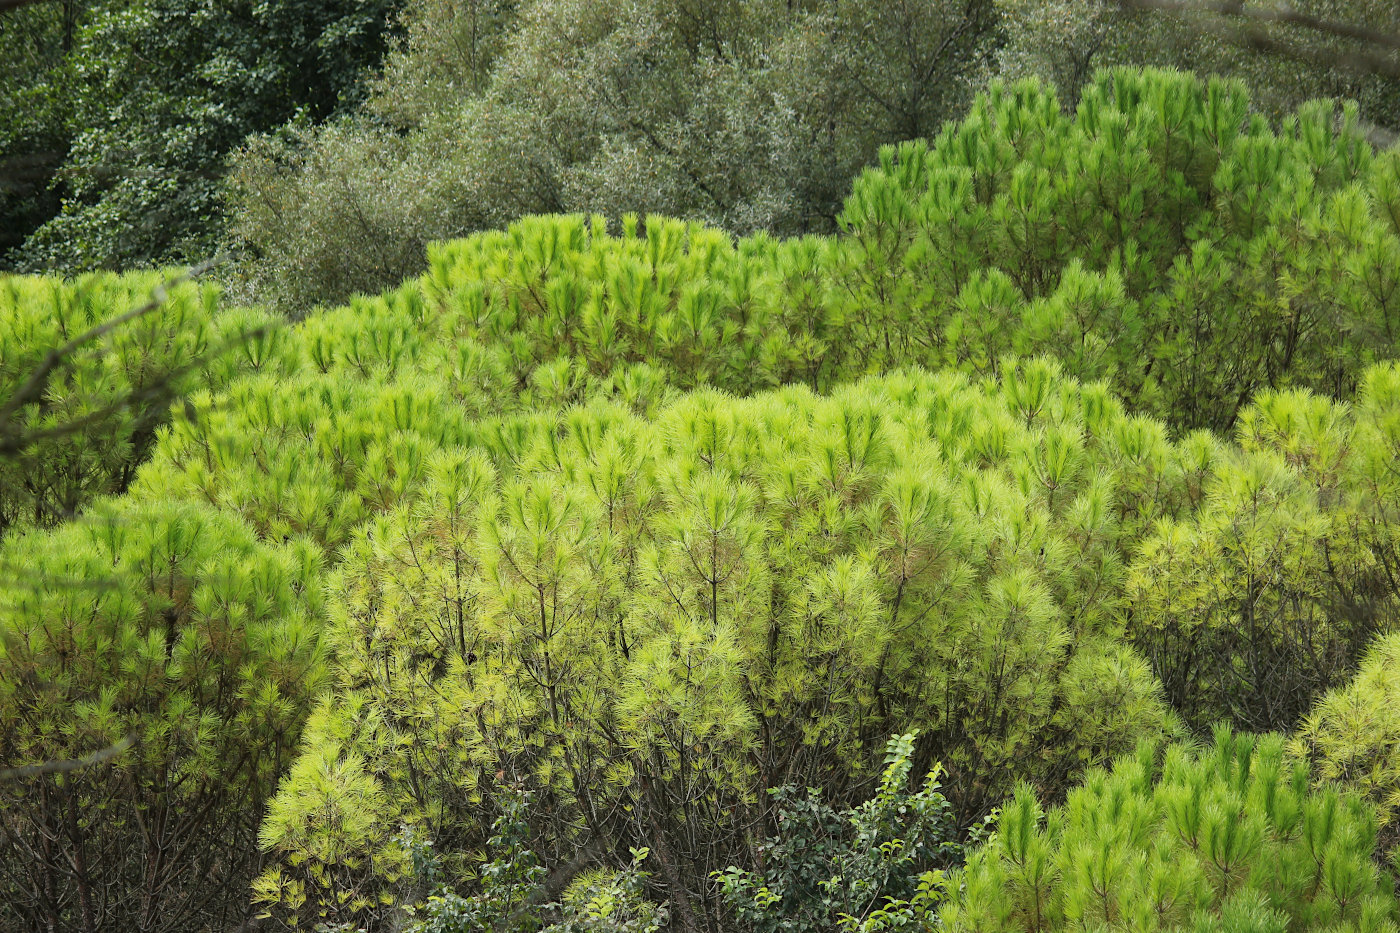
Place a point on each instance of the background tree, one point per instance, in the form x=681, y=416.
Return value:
x=36, y=113
x=751, y=115
x=149, y=99
x=1287, y=54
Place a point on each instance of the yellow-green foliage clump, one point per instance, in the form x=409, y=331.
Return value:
x=1270, y=592
x=170, y=627
x=1352, y=735
x=1157, y=235
x=651, y=621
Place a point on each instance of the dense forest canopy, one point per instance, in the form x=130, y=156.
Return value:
x=699, y=465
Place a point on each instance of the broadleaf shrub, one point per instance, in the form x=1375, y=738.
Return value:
x=875, y=866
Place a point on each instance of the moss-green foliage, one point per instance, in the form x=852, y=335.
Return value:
x=1225, y=839
x=173, y=625
x=1352, y=735
x=88, y=427
x=1270, y=592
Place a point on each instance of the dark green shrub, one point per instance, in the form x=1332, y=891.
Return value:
x=875, y=866
x=513, y=892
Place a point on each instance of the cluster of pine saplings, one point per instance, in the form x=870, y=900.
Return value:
x=582, y=582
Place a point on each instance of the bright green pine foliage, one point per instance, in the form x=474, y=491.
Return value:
x=171, y=624
x=169, y=617
x=561, y=293
x=651, y=621
x=1352, y=735
x=96, y=418
x=350, y=422
x=1269, y=593
x=523, y=517
x=1159, y=236
x=1228, y=838
x=338, y=417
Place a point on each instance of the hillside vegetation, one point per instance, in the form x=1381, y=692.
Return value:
x=582, y=580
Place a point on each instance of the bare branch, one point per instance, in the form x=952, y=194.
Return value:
x=1276, y=14
x=34, y=386
x=70, y=764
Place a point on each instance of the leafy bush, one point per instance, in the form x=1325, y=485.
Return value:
x=1225, y=838
x=36, y=103
x=514, y=892
x=873, y=867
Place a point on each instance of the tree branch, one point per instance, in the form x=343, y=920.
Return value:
x=1369, y=50
x=13, y=438
x=70, y=764
x=1278, y=14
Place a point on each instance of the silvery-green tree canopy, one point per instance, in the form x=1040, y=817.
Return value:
x=750, y=114
x=1287, y=52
